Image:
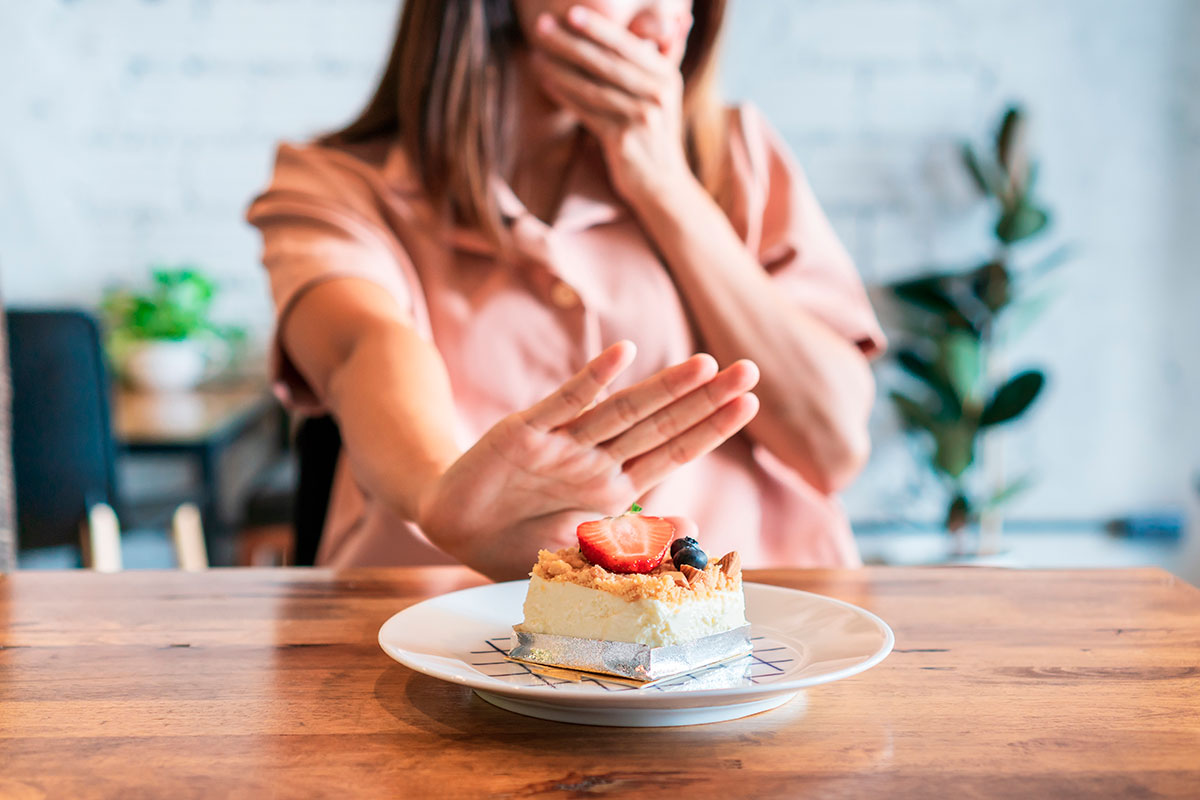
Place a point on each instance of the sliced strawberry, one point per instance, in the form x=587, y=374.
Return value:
x=626, y=543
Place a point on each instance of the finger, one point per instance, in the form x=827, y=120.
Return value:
x=592, y=95
x=647, y=471
x=676, y=418
x=605, y=32
x=599, y=124
x=581, y=389
x=684, y=527
x=630, y=406
x=583, y=54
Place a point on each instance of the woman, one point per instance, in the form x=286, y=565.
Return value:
x=461, y=276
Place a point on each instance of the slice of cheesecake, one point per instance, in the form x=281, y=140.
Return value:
x=571, y=596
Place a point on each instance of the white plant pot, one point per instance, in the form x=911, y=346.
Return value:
x=166, y=366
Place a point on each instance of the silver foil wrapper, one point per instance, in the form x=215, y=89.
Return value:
x=628, y=659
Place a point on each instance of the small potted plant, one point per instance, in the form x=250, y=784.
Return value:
x=164, y=339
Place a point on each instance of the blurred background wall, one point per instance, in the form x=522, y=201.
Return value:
x=135, y=132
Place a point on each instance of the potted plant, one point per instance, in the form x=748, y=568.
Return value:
x=164, y=339
x=958, y=391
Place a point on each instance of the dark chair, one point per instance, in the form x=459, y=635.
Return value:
x=318, y=445
x=64, y=459
x=285, y=513
x=8, y=546
x=63, y=456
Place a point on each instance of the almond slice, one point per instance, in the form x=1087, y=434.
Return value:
x=692, y=574
x=731, y=564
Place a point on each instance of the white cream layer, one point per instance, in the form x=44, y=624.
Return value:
x=568, y=609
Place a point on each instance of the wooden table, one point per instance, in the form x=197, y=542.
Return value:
x=260, y=683
x=178, y=419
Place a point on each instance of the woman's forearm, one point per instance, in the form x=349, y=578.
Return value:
x=398, y=444
x=386, y=387
x=816, y=387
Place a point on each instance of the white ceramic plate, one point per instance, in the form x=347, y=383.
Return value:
x=800, y=639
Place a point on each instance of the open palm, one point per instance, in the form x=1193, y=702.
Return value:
x=530, y=480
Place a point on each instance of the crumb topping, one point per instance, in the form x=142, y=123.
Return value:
x=665, y=584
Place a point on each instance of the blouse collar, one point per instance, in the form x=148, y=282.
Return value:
x=588, y=200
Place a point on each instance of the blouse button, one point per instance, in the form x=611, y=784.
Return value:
x=563, y=295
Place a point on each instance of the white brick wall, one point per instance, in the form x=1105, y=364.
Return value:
x=136, y=131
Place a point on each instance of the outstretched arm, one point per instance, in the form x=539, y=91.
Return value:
x=530, y=480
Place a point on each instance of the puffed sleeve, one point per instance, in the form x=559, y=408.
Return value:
x=322, y=218
x=795, y=243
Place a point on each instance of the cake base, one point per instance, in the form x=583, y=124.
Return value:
x=629, y=659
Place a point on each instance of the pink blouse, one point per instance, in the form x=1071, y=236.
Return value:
x=512, y=329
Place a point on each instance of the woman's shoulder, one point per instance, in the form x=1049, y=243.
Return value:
x=361, y=178
x=751, y=176
x=765, y=187
x=318, y=165
x=754, y=144
x=743, y=118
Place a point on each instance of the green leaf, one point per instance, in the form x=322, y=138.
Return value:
x=929, y=293
x=955, y=448
x=1013, y=398
x=960, y=359
x=176, y=306
x=925, y=292
x=991, y=283
x=985, y=181
x=1009, y=492
x=914, y=415
x=1010, y=142
x=927, y=373
x=635, y=509
x=1021, y=222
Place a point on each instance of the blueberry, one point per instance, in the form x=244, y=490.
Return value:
x=692, y=556
x=679, y=544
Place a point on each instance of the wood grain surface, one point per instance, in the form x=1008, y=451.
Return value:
x=269, y=683
x=160, y=418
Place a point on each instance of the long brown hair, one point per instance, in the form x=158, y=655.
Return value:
x=442, y=92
